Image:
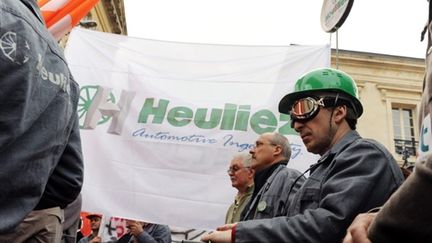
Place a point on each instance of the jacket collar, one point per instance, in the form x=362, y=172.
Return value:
x=262, y=176
x=34, y=8
x=346, y=140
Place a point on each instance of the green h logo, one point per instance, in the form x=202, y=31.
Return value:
x=97, y=105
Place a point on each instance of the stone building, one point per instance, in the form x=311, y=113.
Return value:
x=390, y=89
x=109, y=16
x=106, y=16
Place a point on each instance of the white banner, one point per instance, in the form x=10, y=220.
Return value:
x=161, y=121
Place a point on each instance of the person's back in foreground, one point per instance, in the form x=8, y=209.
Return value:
x=40, y=149
x=353, y=174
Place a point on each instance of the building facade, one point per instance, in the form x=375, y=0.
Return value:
x=109, y=16
x=390, y=90
x=106, y=16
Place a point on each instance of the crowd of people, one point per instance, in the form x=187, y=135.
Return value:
x=353, y=193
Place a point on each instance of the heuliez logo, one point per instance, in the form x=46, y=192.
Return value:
x=98, y=105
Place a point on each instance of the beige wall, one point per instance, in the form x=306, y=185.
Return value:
x=109, y=16
x=383, y=80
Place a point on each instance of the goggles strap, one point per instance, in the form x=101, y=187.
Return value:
x=336, y=100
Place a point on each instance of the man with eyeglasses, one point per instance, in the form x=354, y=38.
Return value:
x=353, y=175
x=273, y=180
x=241, y=176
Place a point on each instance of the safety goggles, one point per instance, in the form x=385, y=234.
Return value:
x=306, y=108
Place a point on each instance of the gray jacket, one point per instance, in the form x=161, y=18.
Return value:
x=40, y=148
x=273, y=198
x=355, y=175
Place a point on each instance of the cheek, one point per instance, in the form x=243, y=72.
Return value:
x=317, y=129
x=265, y=150
x=257, y=153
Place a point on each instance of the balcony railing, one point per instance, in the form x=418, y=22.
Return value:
x=406, y=147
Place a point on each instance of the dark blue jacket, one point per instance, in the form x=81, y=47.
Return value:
x=40, y=148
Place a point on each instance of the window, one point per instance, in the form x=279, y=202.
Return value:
x=403, y=130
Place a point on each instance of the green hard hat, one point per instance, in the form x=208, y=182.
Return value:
x=323, y=80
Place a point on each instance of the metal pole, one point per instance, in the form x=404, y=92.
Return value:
x=337, y=49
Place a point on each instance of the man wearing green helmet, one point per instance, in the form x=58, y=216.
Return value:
x=327, y=90
x=352, y=176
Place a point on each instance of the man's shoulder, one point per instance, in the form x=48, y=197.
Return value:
x=370, y=144
x=354, y=141
x=287, y=175
x=363, y=151
x=291, y=172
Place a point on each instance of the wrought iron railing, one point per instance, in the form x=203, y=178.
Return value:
x=406, y=147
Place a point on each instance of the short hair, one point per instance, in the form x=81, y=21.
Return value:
x=246, y=158
x=352, y=123
x=281, y=140
x=350, y=118
x=344, y=99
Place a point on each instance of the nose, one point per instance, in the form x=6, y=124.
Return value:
x=296, y=125
x=252, y=150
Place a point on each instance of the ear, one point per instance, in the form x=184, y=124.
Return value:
x=340, y=113
x=251, y=173
x=277, y=150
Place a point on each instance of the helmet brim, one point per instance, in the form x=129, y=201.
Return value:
x=288, y=100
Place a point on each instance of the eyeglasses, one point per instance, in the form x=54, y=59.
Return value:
x=234, y=169
x=259, y=144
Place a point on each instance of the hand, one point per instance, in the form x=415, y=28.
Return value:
x=217, y=237
x=97, y=239
x=357, y=232
x=135, y=228
x=226, y=227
